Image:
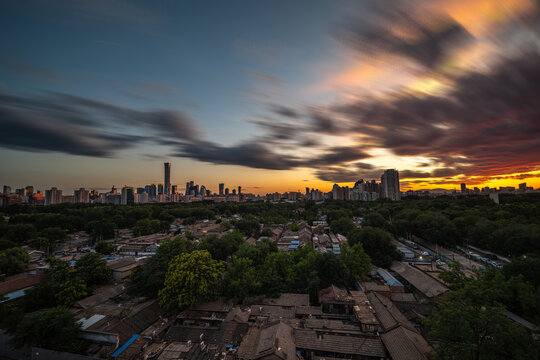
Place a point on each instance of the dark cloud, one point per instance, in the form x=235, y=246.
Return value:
x=340, y=155
x=80, y=126
x=39, y=134
x=285, y=111
x=255, y=155
x=345, y=174
x=425, y=41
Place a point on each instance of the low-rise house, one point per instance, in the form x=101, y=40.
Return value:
x=424, y=284
x=273, y=341
x=335, y=300
x=14, y=287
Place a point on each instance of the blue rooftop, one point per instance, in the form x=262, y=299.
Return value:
x=125, y=346
x=390, y=280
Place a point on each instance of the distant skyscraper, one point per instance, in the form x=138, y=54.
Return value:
x=29, y=190
x=239, y=190
x=53, y=196
x=82, y=196
x=226, y=191
x=234, y=191
x=160, y=188
x=221, y=187
x=7, y=189
x=174, y=189
x=187, y=188
x=390, y=185
x=202, y=190
x=128, y=196
x=167, y=178
x=463, y=188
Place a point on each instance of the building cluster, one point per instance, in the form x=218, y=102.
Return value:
x=127, y=195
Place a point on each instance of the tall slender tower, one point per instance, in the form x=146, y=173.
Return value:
x=167, y=178
x=390, y=185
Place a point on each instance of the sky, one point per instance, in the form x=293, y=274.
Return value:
x=269, y=95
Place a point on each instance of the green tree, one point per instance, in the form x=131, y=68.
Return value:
x=146, y=227
x=356, y=261
x=53, y=234
x=104, y=247
x=240, y=279
x=55, y=329
x=20, y=233
x=13, y=261
x=92, y=269
x=148, y=279
x=222, y=247
x=342, y=226
x=377, y=243
x=100, y=229
x=191, y=278
x=464, y=330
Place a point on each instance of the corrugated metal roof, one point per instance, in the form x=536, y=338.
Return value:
x=390, y=280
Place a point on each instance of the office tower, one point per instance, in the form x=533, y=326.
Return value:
x=202, y=190
x=195, y=190
x=187, y=188
x=207, y=192
x=463, y=188
x=174, y=189
x=226, y=191
x=29, y=190
x=53, y=196
x=7, y=189
x=113, y=190
x=82, y=196
x=151, y=190
x=523, y=187
x=307, y=191
x=167, y=178
x=221, y=186
x=390, y=185
x=128, y=196
x=160, y=188
x=140, y=190
x=234, y=191
x=239, y=190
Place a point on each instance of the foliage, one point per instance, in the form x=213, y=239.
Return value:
x=92, y=270
x=377, y=243
x=147, y=279
x=222, y=247
x=13, y=261
x=241, y=279
x=104, y=247
x=342, y=226
x=191, y=278
x=146, y=227
x=356, y=261
x=55, y=329
x=526, y=265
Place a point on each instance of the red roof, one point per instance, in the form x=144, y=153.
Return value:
x=20, y=281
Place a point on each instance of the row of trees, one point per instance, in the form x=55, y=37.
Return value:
x=182, y=273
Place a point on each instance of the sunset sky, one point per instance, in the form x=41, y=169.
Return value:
x=269, y=95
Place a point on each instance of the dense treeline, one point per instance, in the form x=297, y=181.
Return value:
x=247, y=270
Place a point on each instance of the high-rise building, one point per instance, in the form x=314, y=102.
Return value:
x=128, y=195
x=234, y=191
x=160, y=188
x=390, y=185
x=202, y=190
x=187, y=188
x=239, y=190
x=7, y=189
x=29, y=190
x=463, y=188
x=174, y=189
x=226, y=191
x=167, y=178
x=221, y=187
x=82, y=196
x=151, y=190
x=53, y=196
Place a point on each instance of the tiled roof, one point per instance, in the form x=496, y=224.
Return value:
x=403, y=344
x=340, y=344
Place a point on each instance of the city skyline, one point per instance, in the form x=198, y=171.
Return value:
x=96, y=95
